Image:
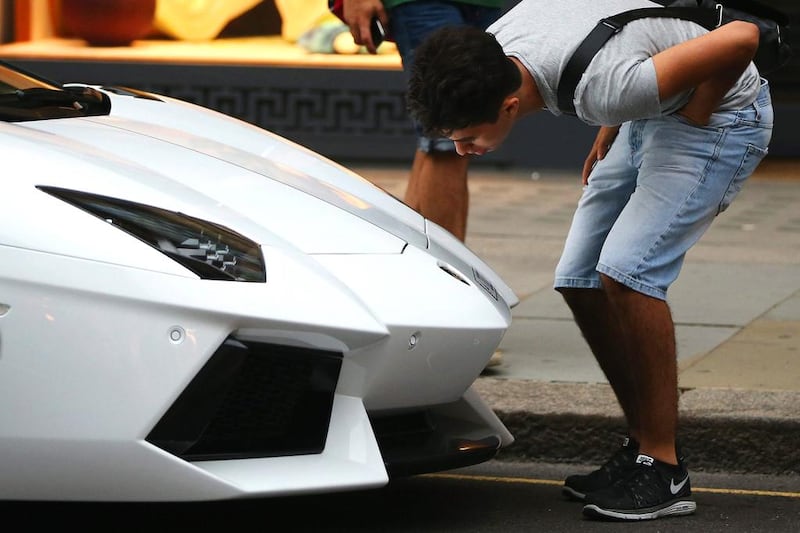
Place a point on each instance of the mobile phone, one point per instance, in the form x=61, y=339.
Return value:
x=378, y=32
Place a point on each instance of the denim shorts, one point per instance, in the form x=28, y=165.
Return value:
x=656, y=192
x=411, y=22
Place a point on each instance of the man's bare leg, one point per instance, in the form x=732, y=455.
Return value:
x=601, y=330
x=632, y=336
x=649, y=335
x=437, y=189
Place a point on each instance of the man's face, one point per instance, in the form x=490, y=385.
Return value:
x=483, y=138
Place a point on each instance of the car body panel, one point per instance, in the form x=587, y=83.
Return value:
x=107, y=340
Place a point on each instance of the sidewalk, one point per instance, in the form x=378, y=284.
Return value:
x=736, y=307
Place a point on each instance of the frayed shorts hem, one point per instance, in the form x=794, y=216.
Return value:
x=594, y=283
x=577, y=283
x=632, y=283
x=438, y=145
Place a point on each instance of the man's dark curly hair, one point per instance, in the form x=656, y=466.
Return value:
x=459, y=78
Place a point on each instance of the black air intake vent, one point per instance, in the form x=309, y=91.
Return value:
x=253, y=400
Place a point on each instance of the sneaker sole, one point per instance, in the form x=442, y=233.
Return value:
x=678, y=508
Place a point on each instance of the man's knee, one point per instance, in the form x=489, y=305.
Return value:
x=610, y=284
x=575, y=295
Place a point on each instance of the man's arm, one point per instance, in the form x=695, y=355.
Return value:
x=710, y=64
x=358, y=15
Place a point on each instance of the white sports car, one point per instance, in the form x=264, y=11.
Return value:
x=193, y=308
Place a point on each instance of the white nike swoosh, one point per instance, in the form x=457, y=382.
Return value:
x=675, y=489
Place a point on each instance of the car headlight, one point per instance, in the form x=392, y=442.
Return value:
x=209, y=250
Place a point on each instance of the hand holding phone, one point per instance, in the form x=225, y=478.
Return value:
x=377, y=30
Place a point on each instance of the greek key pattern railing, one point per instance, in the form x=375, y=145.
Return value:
x=307, y=111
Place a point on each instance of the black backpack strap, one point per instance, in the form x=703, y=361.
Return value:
x=580, y=59
x=605, y=29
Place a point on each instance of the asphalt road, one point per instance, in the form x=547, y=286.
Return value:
x=494, y=497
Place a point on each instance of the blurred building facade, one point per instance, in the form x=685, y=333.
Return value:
x=350, y=109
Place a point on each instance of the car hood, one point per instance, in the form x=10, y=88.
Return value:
x=178, y=156
x=185, y=151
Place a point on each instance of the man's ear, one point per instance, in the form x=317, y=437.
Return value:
x=510, y=105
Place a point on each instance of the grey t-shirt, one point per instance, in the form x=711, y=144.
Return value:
x=620, y=83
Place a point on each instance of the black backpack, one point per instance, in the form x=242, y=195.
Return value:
x=774, y=51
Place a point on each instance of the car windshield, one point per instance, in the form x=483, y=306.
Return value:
x=26, y=97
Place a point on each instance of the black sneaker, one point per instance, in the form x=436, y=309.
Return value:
x=577, y=486
x=652, y=490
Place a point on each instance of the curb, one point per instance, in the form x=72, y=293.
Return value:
x=721, y=430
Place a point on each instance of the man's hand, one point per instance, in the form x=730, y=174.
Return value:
x=709, y=64
x=358, y=15
x=695, y=115
x=602, y=143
